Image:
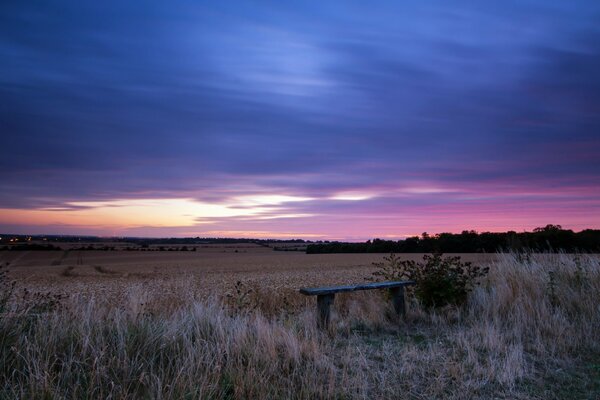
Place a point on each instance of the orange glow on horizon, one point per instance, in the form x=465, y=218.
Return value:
x=150, y=212
x=346, y=215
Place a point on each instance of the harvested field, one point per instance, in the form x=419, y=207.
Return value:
x=213, y=269
x=154, y=329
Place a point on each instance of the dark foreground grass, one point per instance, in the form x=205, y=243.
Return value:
x=530, y=331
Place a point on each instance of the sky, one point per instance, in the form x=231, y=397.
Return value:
x=343, y=120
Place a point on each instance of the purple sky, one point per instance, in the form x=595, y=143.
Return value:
x=292, y=119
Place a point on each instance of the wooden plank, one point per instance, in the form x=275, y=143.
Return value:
x=352, y=288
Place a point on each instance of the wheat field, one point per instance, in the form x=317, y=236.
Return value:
x=229, y=325
x=213, y=269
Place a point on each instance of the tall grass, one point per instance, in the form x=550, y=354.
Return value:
x=531, y=330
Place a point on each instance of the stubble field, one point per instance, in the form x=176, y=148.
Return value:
x=213, y=270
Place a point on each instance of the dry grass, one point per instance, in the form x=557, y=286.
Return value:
x=530, y=331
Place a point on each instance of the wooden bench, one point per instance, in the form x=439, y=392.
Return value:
x=326, y=295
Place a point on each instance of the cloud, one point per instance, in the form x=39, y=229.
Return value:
x=214, y=103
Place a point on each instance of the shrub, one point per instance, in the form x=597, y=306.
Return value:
x=440, y=280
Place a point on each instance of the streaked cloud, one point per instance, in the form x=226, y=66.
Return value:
x=339, y=119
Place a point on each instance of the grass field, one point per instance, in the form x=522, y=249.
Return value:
x=217, y=323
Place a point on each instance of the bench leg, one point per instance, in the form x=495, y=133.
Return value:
x=398, y=300
x=324, y=302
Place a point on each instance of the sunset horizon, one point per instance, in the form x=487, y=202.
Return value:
x=268, y=236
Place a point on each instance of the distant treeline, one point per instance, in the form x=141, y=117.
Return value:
x=548, y=238
x=199, y=240
x=30, y=246
x=12, y=238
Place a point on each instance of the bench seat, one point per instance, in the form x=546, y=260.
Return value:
x=352, y=288
x=326, y=295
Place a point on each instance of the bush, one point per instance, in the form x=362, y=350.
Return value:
x=440, y=280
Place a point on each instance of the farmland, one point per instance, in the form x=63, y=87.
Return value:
x=226, y=321
x=213, y=269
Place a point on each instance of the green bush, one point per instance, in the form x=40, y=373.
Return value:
x=440, y=281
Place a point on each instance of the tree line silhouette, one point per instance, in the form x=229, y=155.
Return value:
x=548, y=238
